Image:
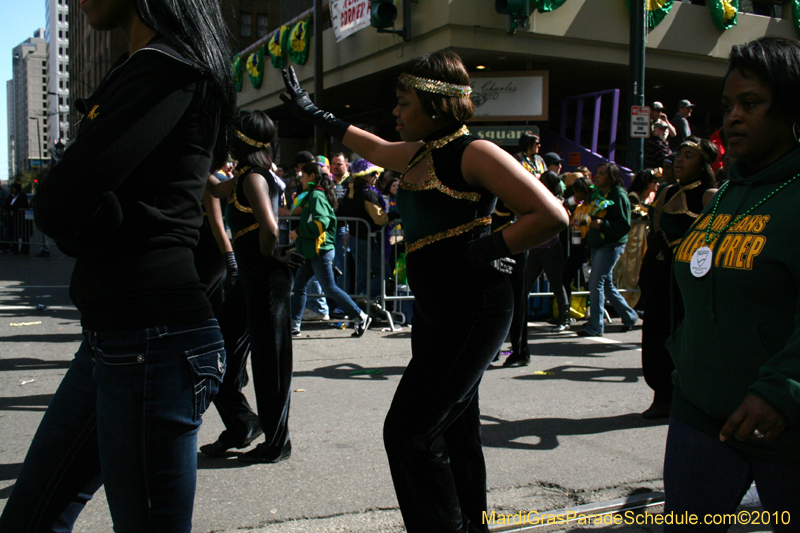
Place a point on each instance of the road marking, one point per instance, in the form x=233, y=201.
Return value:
x=34, y=286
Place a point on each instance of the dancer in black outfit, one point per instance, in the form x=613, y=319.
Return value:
x=256, y=315
x=457, y=271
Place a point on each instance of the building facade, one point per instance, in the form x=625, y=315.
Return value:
x=582, y=46
x=57, y=36
x=28, y=135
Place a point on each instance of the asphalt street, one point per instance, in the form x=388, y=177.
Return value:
x=562, y=433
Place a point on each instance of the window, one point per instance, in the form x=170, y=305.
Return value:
x=245, y=24
x=61, y=50
x=44, y=80
x=61, y=67
x=44, y=129
x=60, y=100
x=262, y=22
x=44, y=72
x=60, y=17
x=44, y=89
x=44, y=63
x=44, y=121
x=61, y=84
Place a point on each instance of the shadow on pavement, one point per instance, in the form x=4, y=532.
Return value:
x=45, y=337
x=38, y=402
x=352, y=371
x=585, y=373
x=24, y=363
x=499, y=433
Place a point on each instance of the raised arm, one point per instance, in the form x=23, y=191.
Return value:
x=540, y=215
x=392, y=155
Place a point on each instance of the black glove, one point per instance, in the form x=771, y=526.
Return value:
x=286, y=255
x=233, y=270
x=490, y=251
x=300, y=105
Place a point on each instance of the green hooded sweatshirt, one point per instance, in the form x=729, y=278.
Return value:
x=741, y=332
x=615, y=220
x=317, y=229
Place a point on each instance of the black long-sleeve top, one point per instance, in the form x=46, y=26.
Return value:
x=126, y=197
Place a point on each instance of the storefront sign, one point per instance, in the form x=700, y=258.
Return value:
x=510, y=95
x=640, y=122
x=502, y=135
x=348, y=16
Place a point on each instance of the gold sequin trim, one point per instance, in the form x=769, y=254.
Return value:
x=435, y=145
x=435, y=86
x=232, y=198
x=682, y=208
x=245, y=230
x=430, y=239
x=434, y=183
x=501, y=228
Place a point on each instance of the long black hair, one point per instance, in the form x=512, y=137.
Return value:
x=323, y=180
x=641, y=181
x=258, y=127
x=710, y=154
x=197, y=30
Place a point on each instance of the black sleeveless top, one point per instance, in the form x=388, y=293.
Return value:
x=445, y=206
x=239, y=214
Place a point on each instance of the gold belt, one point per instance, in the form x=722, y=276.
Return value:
x=458, y=230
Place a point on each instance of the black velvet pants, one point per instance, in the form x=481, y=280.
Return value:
x=655, y=280
x=432, y=432
x=256, y=318
x=518, y=334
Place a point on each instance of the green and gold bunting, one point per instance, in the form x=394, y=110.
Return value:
x=238, y=73
x=796, y=15
x=547, y=5
x=723, y=13
x=656, y=11
x=255, y=67
x=298, y=42
x=277, y=47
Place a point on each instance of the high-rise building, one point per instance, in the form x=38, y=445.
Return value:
x=29, y=132
x=57, y=35
x=10, y=120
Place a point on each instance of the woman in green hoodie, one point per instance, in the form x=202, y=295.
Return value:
x=736, y=402
x=316, y=236
x=608, y=233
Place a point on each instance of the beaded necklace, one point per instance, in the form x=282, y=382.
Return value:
x=702, y=257
x=435, y=145
x=708, y=239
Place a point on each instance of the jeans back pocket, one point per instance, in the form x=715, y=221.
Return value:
x=208, y=367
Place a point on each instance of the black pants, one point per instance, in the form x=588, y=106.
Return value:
x=518, y=334
x=551, y=262
x=655, y=281
x=432, y=431
x=210, y=266
x=256, y=317
x=578, y=256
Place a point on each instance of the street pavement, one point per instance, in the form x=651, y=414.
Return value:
x=561, y=433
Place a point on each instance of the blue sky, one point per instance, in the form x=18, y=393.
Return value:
x=18, y=20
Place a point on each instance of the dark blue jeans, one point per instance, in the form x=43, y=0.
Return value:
x=601, y=288
x=321, y=267
x=125, y=415
x=705, y=476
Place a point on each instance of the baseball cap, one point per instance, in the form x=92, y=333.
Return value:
x=551, y=158
x=322, y=161
x=660, y=124
x=657, y=105
x=685, y=103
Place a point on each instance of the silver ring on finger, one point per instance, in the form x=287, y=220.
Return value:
x=759, y=435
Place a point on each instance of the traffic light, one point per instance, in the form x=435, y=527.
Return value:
x=518, y=12
x=382, y=13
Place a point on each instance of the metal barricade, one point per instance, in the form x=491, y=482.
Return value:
x=17, y=230
x=392, y=293
x=354, y=255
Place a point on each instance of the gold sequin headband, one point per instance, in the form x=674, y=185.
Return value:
x=435, y=86
x=250, y=141
x=697, y=147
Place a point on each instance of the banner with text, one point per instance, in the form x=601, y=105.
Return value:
x=510, y=95
x=348, y=16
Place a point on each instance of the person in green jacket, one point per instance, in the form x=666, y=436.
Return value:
x=607, y=235
x=316, y=238
x=735, y=414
